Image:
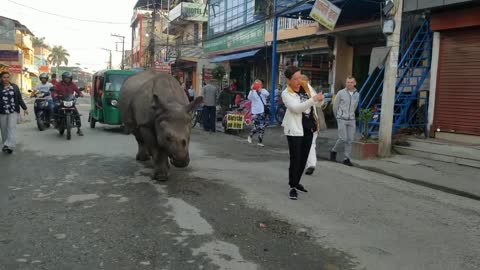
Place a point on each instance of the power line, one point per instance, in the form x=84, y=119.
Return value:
x=63, y=16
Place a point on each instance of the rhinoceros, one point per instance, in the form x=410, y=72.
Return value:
x=156, y=111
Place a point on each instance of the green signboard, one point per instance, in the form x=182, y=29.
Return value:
x=250, y=36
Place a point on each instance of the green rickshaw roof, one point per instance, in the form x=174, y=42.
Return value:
x=115, y=71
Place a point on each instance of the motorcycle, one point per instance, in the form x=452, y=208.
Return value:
x=65, y=114
x=42, y=114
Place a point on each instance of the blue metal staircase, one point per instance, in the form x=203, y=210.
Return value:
x=410, y=107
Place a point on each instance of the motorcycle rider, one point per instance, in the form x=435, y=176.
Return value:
x=44, y=87
x=66, y=86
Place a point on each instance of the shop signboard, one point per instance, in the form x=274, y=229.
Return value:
x=325, y=13
x=248, y=37
x=15, y=69
x=163, y=67
x=9, y=55
x=235, y=121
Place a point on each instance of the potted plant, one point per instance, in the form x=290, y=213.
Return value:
x=366, y=148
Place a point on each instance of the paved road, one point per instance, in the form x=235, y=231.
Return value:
x=86, y=204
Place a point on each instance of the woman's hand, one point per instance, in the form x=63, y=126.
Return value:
x=318, y=97
x=25, y=112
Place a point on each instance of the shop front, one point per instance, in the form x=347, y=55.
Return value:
x=312, y=56
x=457, y=94
x=240, y=52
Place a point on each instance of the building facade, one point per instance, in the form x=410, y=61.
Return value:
x=236, y=40
x=187, y=23
x=17, y=52
x=454, y=91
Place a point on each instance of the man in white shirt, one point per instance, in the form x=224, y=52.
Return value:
x=44, y=87
x=191, y=93
x=258, y=96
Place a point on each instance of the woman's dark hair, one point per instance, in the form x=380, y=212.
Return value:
x=3, y=73
x=290, y=71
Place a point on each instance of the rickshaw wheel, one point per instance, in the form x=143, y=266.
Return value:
x=125, y=130
x=92, y=122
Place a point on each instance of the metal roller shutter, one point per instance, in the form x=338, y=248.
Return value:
x=457, y=105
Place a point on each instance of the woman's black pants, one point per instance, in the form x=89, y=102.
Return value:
x=299, y=147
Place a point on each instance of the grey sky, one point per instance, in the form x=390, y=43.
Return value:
x=83, y=40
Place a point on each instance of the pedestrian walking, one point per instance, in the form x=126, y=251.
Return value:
x=312, y=156
x=191, y=93
x=209, y=93
x=10, y=103
x=300, y=123
x=344, y=108
x=258, y=96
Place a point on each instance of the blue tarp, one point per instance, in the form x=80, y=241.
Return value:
x=233, y=56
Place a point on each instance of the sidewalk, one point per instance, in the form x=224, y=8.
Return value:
x=451, y=178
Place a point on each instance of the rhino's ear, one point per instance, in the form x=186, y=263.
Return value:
x=158, y=105
x=194, y=104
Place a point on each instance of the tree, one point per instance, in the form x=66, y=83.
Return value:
x=58, y=56
x=39, y=42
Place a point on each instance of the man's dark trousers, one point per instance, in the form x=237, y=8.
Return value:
x=209, y=118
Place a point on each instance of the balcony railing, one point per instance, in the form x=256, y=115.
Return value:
x=288, y=24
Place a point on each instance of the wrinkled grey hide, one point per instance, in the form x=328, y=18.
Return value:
x=156, y=110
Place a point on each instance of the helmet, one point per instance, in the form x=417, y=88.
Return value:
x=67, y=74
x=44, y=76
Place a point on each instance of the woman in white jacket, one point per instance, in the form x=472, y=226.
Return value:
x=299, y=123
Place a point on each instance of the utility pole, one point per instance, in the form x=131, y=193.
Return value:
x=274, y=63
x=110, y=57
x=168, y=31
x=122, y=66
x=389, y=85
x=152, y=35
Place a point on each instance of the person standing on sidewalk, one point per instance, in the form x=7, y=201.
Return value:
x=299, y=124
x=312, y=156
x=258, y=96
x=344, y=108
x=209, y=93
x=10, y=102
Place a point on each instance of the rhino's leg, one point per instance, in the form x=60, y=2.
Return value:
x=142, y=154
x=161, y=165
x=160, y=159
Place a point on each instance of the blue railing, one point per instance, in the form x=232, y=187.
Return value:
x=410, y=110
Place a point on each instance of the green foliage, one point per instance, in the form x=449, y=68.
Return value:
x=39, y=42
x=218, y=72
x=365, y=117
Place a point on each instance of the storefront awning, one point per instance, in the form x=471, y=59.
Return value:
x=233, y=56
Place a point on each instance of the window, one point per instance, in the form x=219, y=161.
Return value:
x=195, y=33
x=115, y=82
x=227, y=15
x=216, y=17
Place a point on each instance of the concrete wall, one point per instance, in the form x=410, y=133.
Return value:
x=343, y=62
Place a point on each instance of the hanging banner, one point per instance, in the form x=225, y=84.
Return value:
x=325, y=13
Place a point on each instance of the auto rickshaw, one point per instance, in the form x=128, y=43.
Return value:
x=106, y=85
